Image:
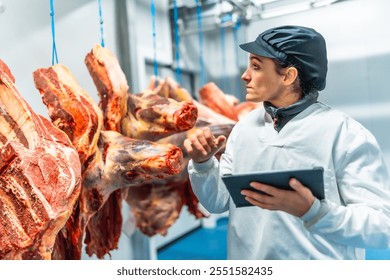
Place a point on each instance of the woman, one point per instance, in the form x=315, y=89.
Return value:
x=293, y=130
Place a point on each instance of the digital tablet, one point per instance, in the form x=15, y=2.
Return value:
x=311, y=178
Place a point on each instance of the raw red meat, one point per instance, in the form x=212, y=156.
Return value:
x=169, y=88
x=245, y=107
x=117, y=163
x=40, y=176
x=70, y=108
x=213, y=97
x=152, y=117
x=124, y=163
x=148, y=116
x=111, y=84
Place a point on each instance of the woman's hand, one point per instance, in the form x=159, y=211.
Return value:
x=296, y=202
x=202, y=145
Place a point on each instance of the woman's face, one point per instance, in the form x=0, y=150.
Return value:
x=263, y=83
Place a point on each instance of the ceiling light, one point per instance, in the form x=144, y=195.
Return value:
x=285, y=10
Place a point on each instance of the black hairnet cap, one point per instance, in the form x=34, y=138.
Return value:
x=304, y=47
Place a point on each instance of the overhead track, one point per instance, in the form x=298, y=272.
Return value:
x=244, y=11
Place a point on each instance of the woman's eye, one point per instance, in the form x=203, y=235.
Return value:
x=255, y=67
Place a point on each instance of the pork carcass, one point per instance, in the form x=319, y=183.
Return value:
x=40, y=176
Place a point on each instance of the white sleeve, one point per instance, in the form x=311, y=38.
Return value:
x=362, y=178
x=206, y=184
x=206, y=180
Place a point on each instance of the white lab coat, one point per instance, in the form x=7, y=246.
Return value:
x=355, y=213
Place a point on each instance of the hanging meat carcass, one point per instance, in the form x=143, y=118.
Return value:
x=40, y=176
x=232, y=100
x=73, y=111
x=245, y=107
x=169, y=88
x=118, y=162
x=207, y=115
x=145, y=161
x=112, y=87
x=70, y=108
x=214, y=105
x=219, y=125
x=213, y=97
x=152, y=117
x=125, y=163
x=140, y=116
x=111, y=84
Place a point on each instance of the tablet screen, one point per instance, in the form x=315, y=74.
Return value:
x=311, y=178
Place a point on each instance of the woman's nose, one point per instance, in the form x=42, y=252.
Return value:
x=245, y=76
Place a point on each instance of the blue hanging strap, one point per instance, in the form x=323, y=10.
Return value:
x=177, y=41
x=153, y=11
x=200, y=37
x=101, y=24
x=54, y=56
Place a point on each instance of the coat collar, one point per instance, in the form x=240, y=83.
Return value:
x=283, y=115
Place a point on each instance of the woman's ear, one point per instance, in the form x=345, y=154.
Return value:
x=291, y=75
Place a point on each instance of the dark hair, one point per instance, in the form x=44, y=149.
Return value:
x=299, y=84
